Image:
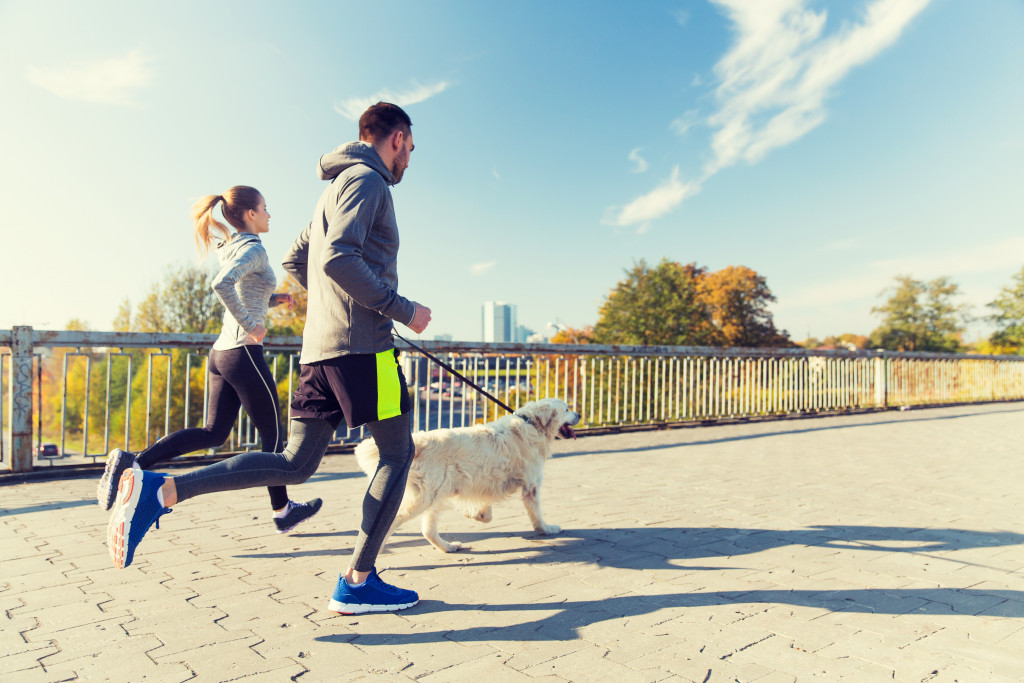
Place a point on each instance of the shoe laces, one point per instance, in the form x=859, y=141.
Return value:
x=381, y=584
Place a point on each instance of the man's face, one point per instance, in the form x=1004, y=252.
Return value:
x=401, y=162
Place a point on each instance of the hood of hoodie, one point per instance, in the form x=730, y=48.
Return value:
x=230, y=250
x=350, y=154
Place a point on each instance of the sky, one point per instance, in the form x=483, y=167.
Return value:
x=829, y=146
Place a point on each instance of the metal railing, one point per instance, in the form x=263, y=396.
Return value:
x=612, y=386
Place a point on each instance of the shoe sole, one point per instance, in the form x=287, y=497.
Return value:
x=106, y=491
x=120, y=526
x=348, y=609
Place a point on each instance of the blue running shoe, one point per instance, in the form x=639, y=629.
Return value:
x=117, y=462
x=135, y=511
x=372, y=596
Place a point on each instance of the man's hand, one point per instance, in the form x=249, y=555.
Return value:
x=420, y=320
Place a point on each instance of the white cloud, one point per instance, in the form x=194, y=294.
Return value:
x=107, y=81
x=774, y=82
x=682, y=125
x=681, y=16
x=482, y=268
x=654, y=204
x=494, y=172
x=776, y=77
x=639, y=161
x=353, y=107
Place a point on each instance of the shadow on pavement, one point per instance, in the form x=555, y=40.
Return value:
x=570, y=616
x=656, y=548
x=779, y=432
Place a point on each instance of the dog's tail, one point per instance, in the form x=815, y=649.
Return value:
x=367, y=455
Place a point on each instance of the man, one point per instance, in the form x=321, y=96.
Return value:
x=346, y=257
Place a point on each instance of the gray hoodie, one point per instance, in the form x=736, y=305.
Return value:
x=244, y=284
x=347, y=258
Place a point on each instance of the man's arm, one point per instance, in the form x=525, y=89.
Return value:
x=297, y=259
x=348, y=228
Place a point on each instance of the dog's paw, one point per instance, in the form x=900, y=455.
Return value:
x=452, y=547
x=549, y=530
x=484, y=515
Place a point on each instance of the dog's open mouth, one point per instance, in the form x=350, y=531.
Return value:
x=567, y=432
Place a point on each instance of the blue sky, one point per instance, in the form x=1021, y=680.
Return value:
x=830, y=146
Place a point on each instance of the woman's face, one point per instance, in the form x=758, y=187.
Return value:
x=258, y=220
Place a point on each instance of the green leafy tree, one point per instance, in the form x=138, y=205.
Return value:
x=920, y=316
x=656, y=306
x=1008, y=317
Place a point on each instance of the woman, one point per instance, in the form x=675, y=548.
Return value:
x=239, y=375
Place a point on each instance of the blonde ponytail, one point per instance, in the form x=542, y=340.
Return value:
x=206, y=224
x=235, y=202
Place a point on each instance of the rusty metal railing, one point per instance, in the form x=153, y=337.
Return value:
x=612, y=386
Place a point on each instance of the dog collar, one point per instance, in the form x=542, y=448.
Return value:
x=523, y=418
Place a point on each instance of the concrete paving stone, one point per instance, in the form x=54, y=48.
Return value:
x=691, y=664
x=225, y=660
x=256, y=609
x=587, y=664
x=1000, y=659
x=23, y=656
x=491, y=667
x=527, y=654
x=338, y=660
x=435, y=656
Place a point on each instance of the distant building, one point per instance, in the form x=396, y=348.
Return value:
x=442, y=337
x=498, y=321
x=523, y=333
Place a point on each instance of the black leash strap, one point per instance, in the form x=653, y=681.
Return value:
x=454, y=372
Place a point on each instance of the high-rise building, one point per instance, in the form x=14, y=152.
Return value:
x=498, y=321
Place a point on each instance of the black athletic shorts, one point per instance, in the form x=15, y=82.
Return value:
x=362, y=387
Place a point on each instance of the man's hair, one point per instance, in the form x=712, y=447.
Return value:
x=381, y=120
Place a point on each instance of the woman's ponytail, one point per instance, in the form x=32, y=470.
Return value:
x=206, y=225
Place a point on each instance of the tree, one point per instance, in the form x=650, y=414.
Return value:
x=1008, y=317
x=570, y=335
x=185, y=302
x=737, y=299
x=920, y=316
x=656, y=306
x=123, y=319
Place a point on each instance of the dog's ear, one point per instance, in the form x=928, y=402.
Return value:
x=544, y=416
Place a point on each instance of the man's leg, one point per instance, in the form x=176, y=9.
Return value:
x=360, y=589
x=144, y=496
x=393, y=437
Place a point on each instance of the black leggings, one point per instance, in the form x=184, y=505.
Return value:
x=306, y=446
x=238, y=377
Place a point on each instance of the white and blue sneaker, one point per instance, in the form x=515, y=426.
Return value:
x=117, y=462
x=135, y=510
x=373, y=596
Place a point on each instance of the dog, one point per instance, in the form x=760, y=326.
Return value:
x=471, y=468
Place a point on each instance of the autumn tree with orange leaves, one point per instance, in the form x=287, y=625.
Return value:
x=737, y=299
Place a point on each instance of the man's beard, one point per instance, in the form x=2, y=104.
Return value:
x=398, y=167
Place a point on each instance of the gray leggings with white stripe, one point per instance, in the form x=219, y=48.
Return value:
x=238, y=377
x=306, y=446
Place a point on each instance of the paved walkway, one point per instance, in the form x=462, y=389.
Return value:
x=873, y=547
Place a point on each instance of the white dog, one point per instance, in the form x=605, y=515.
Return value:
x=470, y=468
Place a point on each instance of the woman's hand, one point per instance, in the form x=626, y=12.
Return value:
x=256, y=335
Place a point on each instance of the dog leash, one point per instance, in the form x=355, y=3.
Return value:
x=459, y=375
